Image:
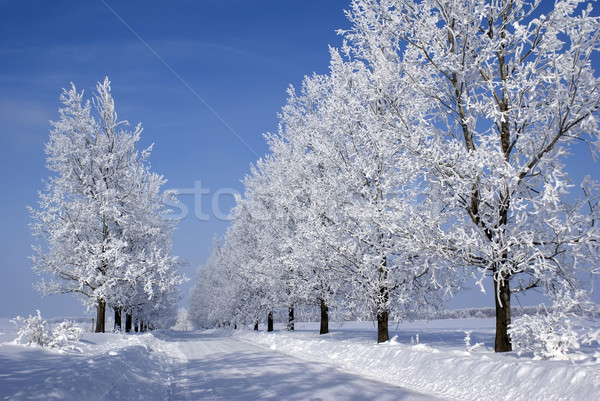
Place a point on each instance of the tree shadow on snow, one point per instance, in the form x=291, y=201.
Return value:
x=37, y=374
x=218, y=367
x=266, y=374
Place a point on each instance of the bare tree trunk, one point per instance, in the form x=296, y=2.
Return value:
x=128, y=322
x=118, y=319
x=383, y=334
x=270, y=322
x=291, y=318
x=324, y=318
x=502, y=298
x=100, y=316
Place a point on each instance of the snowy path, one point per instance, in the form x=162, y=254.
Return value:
x=299, y=365
x=168, y=365
x=225, y=368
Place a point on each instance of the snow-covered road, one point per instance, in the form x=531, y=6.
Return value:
x=214, y=367
x=423, y=360
x=169, y=365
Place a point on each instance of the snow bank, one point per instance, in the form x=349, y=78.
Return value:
x=426, y=357
x=447, y=371
x=104, y=367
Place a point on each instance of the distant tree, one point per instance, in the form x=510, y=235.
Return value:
x=363, y=196
x=285, y=179
x=106, y=238
x=326, y=217
x=266, y=206
x=226, y=293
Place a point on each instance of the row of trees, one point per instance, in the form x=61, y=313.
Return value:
x=102, y=219
x=434, y=149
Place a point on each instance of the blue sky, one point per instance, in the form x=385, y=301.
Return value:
x=237, y=56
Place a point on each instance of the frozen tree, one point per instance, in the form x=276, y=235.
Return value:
x=147, y=287
x=275, y=201
x=230, y=288
x=364, y=194
x=287, y=178
x=182, y=322
x=34, y=330
x=436, y=143
x=501, y=90
x=254, y=248
x=214, y=293
x=260, y=270
x=328, y=217
x=202, y=305
x=554, y=333
x=106, y=238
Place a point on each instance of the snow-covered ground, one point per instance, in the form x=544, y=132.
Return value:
x=427, y=360
x=432, y=357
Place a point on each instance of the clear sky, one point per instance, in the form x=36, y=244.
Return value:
x=205, y=78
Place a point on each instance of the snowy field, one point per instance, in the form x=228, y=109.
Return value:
x=425, y=361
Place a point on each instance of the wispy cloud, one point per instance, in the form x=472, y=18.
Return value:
x=180, y=79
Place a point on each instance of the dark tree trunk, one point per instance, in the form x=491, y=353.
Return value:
x=100, y=316
x=256, y=325
x=383, y=334
x=128, y=322
x=291, y=318
x=270, y=322
x=136, y=326
x=324, y=318
x=118, y=319
x=502, y=298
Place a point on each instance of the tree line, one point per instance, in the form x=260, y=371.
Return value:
x=433, y=150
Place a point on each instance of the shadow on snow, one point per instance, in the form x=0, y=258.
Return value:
x=215, y=367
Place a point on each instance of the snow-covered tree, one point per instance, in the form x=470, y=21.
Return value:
x=555, y=333
x=272, y=207
x=36, y=331
x=436, y=143
x=365, y=193
x=214, y=292
x=501, y=91
x=101, y=216
x=229, y=288
x=147, y=286
x=327, y=217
